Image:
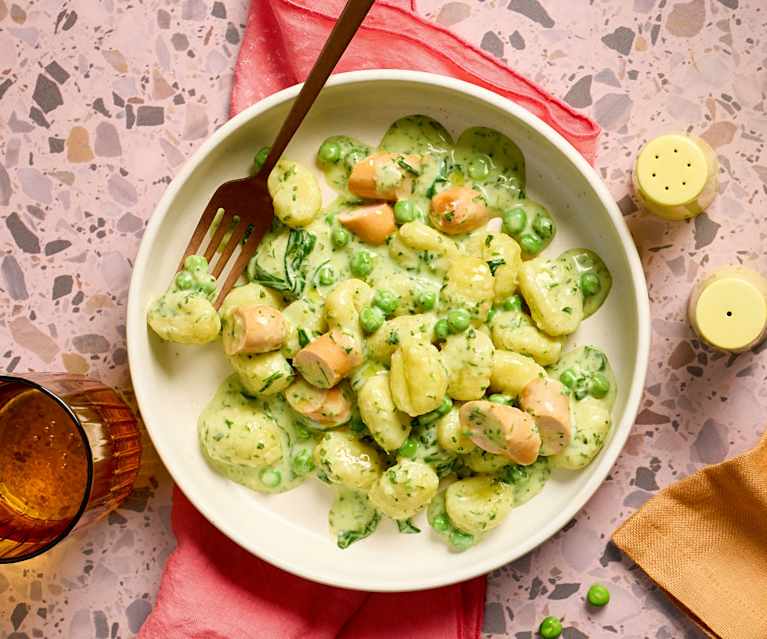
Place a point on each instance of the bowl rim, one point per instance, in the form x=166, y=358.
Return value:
x=136, y=323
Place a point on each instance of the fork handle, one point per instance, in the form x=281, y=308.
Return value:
x=346, y=26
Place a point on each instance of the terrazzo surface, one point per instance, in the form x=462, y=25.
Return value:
x=100, y=104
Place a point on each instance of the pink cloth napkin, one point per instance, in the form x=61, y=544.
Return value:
x=212, y=588
x=283, y=38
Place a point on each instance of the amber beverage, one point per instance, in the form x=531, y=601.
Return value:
x=70, y=450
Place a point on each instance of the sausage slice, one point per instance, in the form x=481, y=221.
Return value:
x=255, y=329
x=384, y=176
x=372, y=224
x=502, y=430
x=545, y=399
x=328, y=359
x=457, y=210
x=328, y=407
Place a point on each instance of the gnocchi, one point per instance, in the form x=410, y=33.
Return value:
x=388, y=425
x=418, y=377
x=394, y=337
x=295, y=194
x=404, y=489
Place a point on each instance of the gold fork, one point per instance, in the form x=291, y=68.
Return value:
x=248, y=198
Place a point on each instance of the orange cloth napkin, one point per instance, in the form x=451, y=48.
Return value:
x=704, y=541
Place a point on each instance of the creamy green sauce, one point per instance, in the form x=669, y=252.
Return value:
x=352, y=517
x=264, y=445
x=235, y=434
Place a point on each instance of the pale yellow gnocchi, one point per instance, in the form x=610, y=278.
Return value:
x=295, y=193
x=478, y=504
x=515, y=331
x=512, y=372
x=404, y=489
x=388, y=425
x=347, y=461
x=469, y=285
x=262, y=374
x=468, y=357
x=418, y=378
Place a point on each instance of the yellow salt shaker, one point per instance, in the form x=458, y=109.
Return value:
x=676, y=176
x=728, y=309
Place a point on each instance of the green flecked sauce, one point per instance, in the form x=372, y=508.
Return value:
x=502, y=296
x=594, y=279
x=456, y=539
x=352, y=517
x=590, y=382
x=527, y=481
x=253, y=442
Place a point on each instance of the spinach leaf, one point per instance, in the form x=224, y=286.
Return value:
x=293, y=280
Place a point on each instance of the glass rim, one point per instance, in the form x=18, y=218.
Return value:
x=89, y=462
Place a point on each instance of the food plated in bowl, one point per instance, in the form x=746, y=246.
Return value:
x=382, y=342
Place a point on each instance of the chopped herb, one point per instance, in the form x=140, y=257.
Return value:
x=409, y=168
x=495, y=264
x=269, y=380
x=303, y=338
x=406, y=527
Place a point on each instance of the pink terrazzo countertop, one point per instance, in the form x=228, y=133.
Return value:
x=101, y=102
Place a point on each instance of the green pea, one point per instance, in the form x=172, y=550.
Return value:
x=326, y=276
x=513, y=303
x=599, y=385
x=458, y=320
x=371, y=319
x=461, y=540
x=270, y=477
x=184, y=280
x=499, y=398
x=195, y=263
x=543, y=225
x=302, y=463
x=590, y=284
x=444, y=408
x=491, y=314
x=514, y=221
x=353, y=156
x=361, y=264
x=261, y=156
x=386, y=301
x=330, y=152
x=425, y=300
x=302, y=432
x=531, y=243
x=408, y=449
x=598, y=595
x=340, y=237
x=441, y=330
x=569, y=378
x=550, y=628
x=404, y=211
x=479, y=168
x=440, y=523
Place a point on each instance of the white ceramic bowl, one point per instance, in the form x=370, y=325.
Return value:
x=173, y=383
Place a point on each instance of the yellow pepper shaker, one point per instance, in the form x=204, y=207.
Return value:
x=728, y=309
x=676, y=176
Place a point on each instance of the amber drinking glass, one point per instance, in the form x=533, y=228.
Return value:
x=70, y=450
